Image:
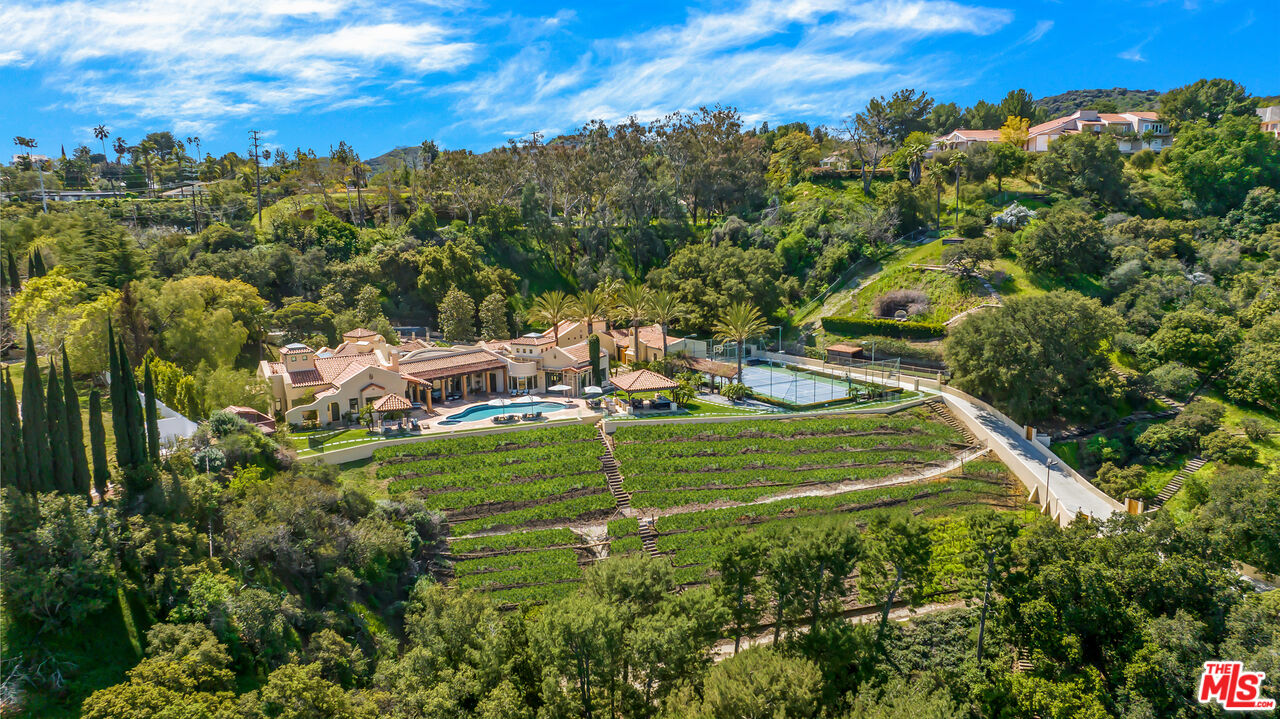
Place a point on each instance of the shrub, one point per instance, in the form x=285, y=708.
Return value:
x=855, y=326
x=1174, y=379
x=912, y=302
x=735, y=392
x=1143, y=159
x=1222, y=446
x=1254, y=429
x=1120, y=482
x=970, y=227
x=1201, y=416
x=1014, y=217
x=1161, y=442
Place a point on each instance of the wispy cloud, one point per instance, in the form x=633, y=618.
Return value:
x=195, y=64
x=1037, y=32
x=812, y=56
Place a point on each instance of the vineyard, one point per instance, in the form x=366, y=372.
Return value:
x=520, y=568
x=531, y=478
x=693, y=540
x=511, y=498
x=683, y=465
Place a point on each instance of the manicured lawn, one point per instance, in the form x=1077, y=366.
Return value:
x=948, y=294
x=1022, y=282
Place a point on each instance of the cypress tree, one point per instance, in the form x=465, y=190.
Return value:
x=136, y=421
x=35, y=435
x=13, y=273
x=153, y=421
x=39, y=264
x=56, y=417
x=31, y=266
x=98, y=445
x=75, y=428
x=11, y=453
x=119, y=413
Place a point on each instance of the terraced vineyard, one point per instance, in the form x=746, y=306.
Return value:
x=536, y=477
x=682, y=465
x=521, y=568
x=693, y=540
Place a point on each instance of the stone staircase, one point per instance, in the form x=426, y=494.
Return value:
x=939, y=408
x=1175, y=484
x=649, y=536
x=613, y=473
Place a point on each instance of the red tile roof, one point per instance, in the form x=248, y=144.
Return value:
x=643, y=381
x=359, y=332
x=539, y=340
x=392, y=403
x=846, y=348
x=455, y=364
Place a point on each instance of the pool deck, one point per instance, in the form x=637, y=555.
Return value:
x=439, y=419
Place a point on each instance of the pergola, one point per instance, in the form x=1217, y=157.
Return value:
x=713, y=369
x=643, y=381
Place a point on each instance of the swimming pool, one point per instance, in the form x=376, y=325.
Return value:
x=485, y=411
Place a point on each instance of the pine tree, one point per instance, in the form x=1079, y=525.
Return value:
x=75, y=428
x=56, y=417
x=153, y=423
x=14, y=471
x=98, y=445
x=35, y=436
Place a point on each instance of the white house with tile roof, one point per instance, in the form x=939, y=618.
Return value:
x=1133, y=131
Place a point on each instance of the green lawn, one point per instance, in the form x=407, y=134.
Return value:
x=1022, y=282
x=948, y=294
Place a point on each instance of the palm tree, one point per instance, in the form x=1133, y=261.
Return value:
x=937, y=173
x=914, y=153
x=146, y=151
x=739, y=323
x=591, y=304
x=632, y=303
x=101, y=133
x=665, y=307
x=553, y=307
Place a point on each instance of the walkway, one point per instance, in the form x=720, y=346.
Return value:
x=1058, y=490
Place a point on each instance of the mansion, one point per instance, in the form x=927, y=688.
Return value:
x=332, y=385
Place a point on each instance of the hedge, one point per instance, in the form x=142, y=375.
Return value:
x=857, y=326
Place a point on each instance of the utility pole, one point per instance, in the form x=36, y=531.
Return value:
x=255, y=136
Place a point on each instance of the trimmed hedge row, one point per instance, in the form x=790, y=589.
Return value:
x=857, y=326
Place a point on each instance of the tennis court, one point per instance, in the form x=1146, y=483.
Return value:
x=794, y=387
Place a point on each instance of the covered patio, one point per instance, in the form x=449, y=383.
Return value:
x=646, y=381
x=457, y=377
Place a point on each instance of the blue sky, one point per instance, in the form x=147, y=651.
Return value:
x=472, y=74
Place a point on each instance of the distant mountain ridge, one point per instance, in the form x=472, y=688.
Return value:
x=1125, y=100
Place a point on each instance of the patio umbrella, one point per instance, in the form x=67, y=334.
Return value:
x=499, y=402
x=559, y=388
x=592, y=390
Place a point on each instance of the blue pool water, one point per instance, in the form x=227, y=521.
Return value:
x=485, y=411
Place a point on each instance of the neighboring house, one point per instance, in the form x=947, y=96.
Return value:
x=1270, y=119
x=253, y=417
x=172, y=425
x=965, y=139
x=834, y=161
x=1133, y=131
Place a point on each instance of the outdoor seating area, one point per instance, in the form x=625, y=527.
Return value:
x=513, y=418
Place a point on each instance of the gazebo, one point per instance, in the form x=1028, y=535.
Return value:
x=392, y=403
x=643, y=381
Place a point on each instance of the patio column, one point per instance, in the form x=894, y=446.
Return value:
x=428, y=394
x=463, y=381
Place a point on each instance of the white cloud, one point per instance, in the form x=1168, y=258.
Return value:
x=783, y=57
x=1040, y=30
x=195, y=63
x=1133, y=54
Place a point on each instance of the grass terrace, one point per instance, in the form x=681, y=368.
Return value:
x=530, y=478
x=679, y=465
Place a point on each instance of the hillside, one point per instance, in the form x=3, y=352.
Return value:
x=1125, y=100
x=393, y=158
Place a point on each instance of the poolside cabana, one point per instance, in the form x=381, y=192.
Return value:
x=388, y=403
x=713, y=370
x=643, y=381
